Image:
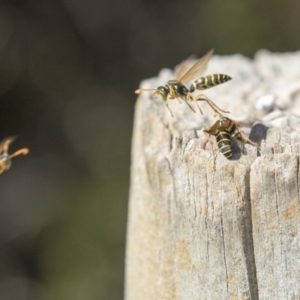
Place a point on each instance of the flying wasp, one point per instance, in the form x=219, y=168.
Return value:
x=176, y=89
x=225, y=130
x=5, y=158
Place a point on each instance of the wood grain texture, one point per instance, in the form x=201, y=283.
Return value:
x=199, y=232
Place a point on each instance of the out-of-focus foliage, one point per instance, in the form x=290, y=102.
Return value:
x=68, y=69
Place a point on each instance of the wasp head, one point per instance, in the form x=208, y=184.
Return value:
x=161, y=91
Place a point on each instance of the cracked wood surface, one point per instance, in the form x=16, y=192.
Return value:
x=199, y=232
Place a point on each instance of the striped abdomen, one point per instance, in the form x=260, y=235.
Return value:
x=224, y=143
x=206, y=82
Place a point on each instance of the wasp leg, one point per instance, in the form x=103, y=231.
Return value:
x=186, y=101
x=215, y=159
x=240, y=135
x=187, y=98
x=167, y=105
x=201, y=112
x=190, y=97
x=208, y=139
x=212, y=104
x=178, y=99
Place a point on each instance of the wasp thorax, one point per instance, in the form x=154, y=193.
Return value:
x=182, y=90
x=172, y=82
x=177, y=89
x=222, y=120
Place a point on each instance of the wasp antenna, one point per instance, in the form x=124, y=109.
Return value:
x=143, y=90
x=22, y=151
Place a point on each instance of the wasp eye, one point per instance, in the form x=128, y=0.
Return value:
x=163, y=89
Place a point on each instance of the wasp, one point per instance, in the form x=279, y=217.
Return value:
x=225, y=130
x=176, y=89
x=5, y=158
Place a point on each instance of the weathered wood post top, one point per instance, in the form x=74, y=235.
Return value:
x=201, y=227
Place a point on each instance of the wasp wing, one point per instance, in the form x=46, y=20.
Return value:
x=214, y=129
x=4, y=144
x=184, y=67
x=196, y=70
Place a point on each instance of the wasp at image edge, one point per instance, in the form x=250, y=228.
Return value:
x=5, y=157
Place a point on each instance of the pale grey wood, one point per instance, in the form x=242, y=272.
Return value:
x=275, y=205
x=199, y=232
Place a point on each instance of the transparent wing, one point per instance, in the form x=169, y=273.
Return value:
x=4, y=144
x=213, y=130
x=184, y=67
x=197, y=69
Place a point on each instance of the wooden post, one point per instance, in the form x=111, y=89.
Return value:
x=199, y=231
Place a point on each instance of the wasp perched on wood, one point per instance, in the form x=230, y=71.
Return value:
x=224, y=130
x=175, y=89
x=5, y=158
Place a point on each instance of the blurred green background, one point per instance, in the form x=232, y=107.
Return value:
x=68, y=71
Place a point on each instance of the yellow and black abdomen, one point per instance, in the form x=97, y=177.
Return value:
x=224, y=143
x=206, y=82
